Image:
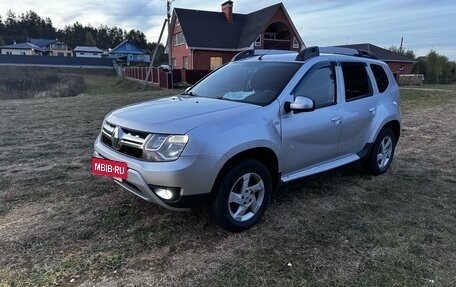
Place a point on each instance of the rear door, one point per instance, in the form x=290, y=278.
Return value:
x=359, y=111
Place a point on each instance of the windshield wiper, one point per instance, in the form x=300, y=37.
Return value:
x=190, y=93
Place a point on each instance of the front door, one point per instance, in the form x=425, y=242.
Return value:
x=310, y=138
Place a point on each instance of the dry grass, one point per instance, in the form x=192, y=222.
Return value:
x=33, y=82
x=61, y=226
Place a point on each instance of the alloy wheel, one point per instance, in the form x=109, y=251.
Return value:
x=246, y=197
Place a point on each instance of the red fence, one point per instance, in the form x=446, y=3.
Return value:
x=192, y=76
x=164, y=78
x=157, y=76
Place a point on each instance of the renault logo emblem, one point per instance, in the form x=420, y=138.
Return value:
x=116, y=138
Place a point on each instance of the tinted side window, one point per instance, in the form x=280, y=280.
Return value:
x=356, y=79
x=380, y=77
x=319, y=84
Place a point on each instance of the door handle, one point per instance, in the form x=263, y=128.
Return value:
x=337, y=120
x=372, y=110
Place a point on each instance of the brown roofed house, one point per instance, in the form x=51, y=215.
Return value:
x=398, y=63
x=205, y=40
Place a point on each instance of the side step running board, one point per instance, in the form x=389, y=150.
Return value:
x=320, y=168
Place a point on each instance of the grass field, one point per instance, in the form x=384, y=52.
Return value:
x=59, y=225
x=23, y=82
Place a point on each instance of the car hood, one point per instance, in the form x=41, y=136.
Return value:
x=177, y=115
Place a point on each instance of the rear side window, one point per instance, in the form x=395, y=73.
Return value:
x=380, y=77
x=356, y=80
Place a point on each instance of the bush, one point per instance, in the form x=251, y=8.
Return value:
x=22, y=84
x=436, y=68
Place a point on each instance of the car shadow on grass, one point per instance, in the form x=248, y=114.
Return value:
x=322, y=184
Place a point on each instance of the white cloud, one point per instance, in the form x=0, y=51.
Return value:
x=330, y=22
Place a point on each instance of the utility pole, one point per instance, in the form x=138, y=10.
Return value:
x=169, y=42
x=170, y=36
x=151, y=64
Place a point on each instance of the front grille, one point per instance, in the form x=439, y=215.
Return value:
x=125, y=141
x=106, y=140
x=131, y=151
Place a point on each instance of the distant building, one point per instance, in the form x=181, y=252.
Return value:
x=58, y=48
x=42, y=47
x=22, y=49
x=128, y=52
x=87, y=51
x=205, y=40
x=398, y=63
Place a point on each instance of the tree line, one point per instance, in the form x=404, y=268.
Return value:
x=18, y=28
x=436, y=68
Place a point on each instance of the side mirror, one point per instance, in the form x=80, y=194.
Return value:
x=300, y=104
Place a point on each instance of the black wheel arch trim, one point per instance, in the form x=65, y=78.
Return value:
x=365, y=151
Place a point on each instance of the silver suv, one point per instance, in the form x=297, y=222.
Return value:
x=265, y=118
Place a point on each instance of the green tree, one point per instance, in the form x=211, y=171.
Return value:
x=449, y=72
x=138, y=38
x=420, y=67
x=13, y=31
x=11, y=19
x=162, y=57
x=89, y=40
x=408, y=53
x=2, y=32
x=116, y=35
x=436, y=68
x=31, y=25
x=2, y=26
x=73, y=35
x=103, y=39
x=34, y=26
x=49, y=31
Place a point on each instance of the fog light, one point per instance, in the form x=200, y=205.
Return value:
x=165, y=193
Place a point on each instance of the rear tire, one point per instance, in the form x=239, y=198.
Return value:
x=242, y=196
x=382, y=153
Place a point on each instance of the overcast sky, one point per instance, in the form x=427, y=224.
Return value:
x=425, y=25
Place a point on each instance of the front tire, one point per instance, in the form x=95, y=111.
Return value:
x=382, y=153
x=242, y=196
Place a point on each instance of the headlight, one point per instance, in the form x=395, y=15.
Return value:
x=164, y=147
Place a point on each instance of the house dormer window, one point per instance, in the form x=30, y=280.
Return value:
x=270, y=36
x=258, y=41
x=177, y=22
x=179, y=39
x=295, y=43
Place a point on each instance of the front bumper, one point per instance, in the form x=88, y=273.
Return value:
x=194, y=176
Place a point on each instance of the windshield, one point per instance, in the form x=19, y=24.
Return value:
x=251, y=82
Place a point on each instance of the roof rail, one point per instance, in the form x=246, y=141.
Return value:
x=315, y=51
x=244, y=54
x=258, y=52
